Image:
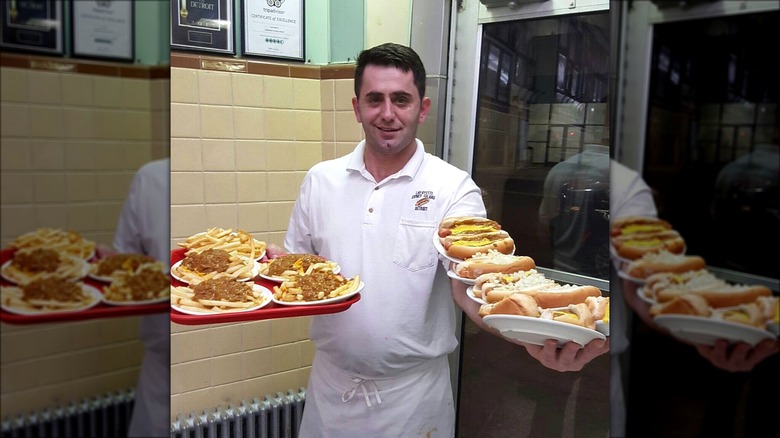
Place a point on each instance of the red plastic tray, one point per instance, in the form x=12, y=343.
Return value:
x=270, y=311
x=102, y=310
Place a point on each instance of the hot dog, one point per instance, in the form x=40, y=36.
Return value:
x=557, y=295
x=749, y=314
x=688, y=304
x=513, y=282
x=577, y=314
x=465, y=236
x=599, y=307
x=517, y=304
x=663, y=261
x=637, y=224
x=723, y=295
x=634, y=246
x=680, y=283
x=493, y=261
x=466, y=225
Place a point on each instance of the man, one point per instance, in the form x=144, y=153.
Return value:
x=381, y=367
x=144, y=227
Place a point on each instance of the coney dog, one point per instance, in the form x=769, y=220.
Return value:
x=637, y=224
x=720, y=295
x=577, y=314
x=688, y=304
x=459, y=225
x=493, y=261
x=678, y=283
x=635, y=245
x=465, y=236
x=749, y=314
x=599, y=307
x=663, y=261
x=515, y=304
x=515, y=281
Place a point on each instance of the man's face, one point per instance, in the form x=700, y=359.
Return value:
x=389, y=108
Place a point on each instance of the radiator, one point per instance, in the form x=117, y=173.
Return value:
x=272, y=417
x=104, y=416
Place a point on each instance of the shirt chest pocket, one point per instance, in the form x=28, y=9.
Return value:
x=414, y=248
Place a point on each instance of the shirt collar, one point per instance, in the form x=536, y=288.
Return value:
x=356, y=162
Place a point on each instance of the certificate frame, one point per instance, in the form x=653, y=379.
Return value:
x=103, y=29
x=32, y=26
x=273, y=29
x=202, y=25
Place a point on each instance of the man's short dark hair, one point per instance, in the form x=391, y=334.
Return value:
x=391, y=55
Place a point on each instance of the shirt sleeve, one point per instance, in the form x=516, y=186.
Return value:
x=298, y=238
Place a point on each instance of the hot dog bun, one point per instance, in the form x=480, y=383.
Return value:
x=663, y=261
x=679, y=283
x=577, y=314
x=689, y=304
x=599, y=307
x=516, y=304
x=493, y=261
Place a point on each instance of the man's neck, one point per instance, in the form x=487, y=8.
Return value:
x=381, y=166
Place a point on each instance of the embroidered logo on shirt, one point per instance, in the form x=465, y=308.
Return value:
x=422, y=198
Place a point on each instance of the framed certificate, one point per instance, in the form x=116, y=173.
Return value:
x=202, y=25
x=273, y=28
x=102, y=29
x=32, y=25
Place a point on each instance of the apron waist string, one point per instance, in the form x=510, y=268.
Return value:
x=361, y=383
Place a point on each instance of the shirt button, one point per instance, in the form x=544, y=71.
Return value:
x=371, y=210
x=376, y=188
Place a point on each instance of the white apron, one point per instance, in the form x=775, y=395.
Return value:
x=151, y=412
x=417, y=403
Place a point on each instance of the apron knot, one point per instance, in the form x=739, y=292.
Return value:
x=361, y=383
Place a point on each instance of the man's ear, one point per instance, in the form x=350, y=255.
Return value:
x=425, y=106
x=355, y=109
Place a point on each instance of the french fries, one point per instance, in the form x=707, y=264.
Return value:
x=185, y=298
x=315, y=285
x=68, y=242
x=70, y=267
x=238, y=243
x=292, y=264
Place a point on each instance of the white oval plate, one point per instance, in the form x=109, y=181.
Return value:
x=255, y=271
x=136, y=303
x=535, y=331
x=625, y=276
x=92, y=291
x=437, y=244
x=336, y=270
x=267, y=295
x=455, y=276
x=705, y=331
x=319, y=302
x=6, y=276
x=641, y=292
x=470, y=294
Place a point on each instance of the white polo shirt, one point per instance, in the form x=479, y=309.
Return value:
x=383, y=232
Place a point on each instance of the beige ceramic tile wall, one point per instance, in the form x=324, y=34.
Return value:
x=70, y=146
x=240, y=146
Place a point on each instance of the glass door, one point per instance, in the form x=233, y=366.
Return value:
x=539, y=149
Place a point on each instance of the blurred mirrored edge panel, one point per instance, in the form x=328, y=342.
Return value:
x=74, y=134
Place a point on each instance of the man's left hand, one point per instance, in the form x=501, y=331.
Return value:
x=570, y=357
